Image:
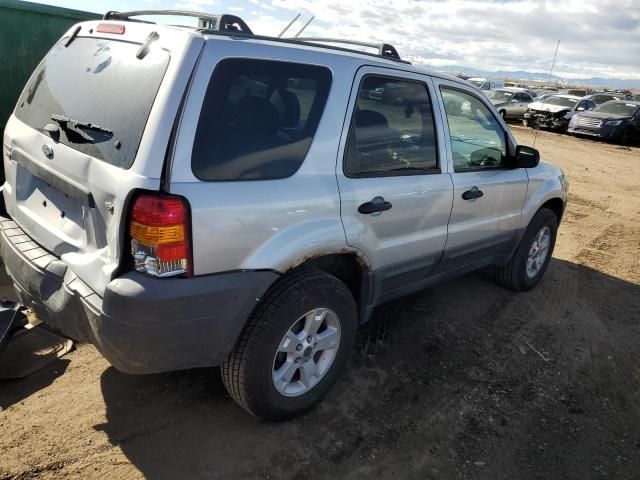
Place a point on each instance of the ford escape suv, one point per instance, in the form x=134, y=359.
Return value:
x=188, y=197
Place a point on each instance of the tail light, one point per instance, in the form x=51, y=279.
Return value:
x=160, y=235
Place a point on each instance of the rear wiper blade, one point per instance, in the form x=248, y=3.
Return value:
x=65, y=121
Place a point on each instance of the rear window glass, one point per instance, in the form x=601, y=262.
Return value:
x=258, y=119
x=98, y=82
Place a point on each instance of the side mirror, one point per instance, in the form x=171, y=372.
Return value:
x=526, y=157
x=515, y=101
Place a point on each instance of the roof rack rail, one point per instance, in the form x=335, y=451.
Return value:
x=384, y=49
x=226, y=24
x=215, y=23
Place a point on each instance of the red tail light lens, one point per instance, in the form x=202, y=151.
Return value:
x=160, y=235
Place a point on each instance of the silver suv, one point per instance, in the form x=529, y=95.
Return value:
x=190, y=197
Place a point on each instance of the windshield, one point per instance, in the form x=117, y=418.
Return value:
x=618, y=108
x=560, y=101
x=500, y=95
x=103, y=91
x=477, y=83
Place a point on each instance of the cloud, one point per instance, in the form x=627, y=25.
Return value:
x=195, y=5
x=597, y=37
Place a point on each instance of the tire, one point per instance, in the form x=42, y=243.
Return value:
x=515, y=274
x=503, y=114
x=626, y=138
x=248, y=373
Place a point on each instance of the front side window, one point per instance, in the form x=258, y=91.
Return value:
x=392, y=130
x=477, y=139
x=258, y=119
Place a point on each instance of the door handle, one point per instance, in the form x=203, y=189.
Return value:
x=472, y=194
x=378, y=204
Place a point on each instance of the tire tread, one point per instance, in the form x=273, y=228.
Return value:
x=235, y=369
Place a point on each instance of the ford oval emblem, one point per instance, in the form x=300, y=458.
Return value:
x=47, y=150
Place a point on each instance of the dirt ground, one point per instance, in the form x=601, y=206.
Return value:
x=462, y=381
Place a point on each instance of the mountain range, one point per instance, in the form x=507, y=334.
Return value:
x=541, y=76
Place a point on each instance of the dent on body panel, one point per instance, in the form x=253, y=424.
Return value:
x=297, y=243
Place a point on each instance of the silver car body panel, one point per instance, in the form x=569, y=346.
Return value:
x=267, y=224
x=498, y=212
x=88, y=238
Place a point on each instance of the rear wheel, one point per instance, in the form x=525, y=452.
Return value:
x=531, y=259
x=294, y=346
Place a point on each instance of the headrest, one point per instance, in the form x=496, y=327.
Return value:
x=288, y=107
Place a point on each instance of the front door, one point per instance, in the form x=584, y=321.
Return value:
x=488, y=192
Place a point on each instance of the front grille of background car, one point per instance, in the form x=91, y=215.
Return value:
x=589, y=122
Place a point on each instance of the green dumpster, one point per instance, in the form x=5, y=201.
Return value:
x=27, y=32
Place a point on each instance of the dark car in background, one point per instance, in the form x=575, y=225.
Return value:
x=600, y=98
x=555, y=111
x=616, y=120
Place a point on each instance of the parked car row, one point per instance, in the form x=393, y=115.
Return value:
x=608, y=115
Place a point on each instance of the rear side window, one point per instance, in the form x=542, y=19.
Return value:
x=258, y=119
x=98, y=82
x=392, y=130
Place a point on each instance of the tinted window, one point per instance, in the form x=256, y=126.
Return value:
x=99, y=82
x=477, y=140
x=258, y=119
x=585, y=105
x=392, y=130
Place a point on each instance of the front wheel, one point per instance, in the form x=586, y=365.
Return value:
x=627, y=137
x=294, y=346
x=532, y=256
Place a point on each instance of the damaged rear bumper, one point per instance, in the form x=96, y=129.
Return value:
x=141, y=324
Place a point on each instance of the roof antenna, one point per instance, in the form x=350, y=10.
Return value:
x=289, y=25
x=535, y=137
x=303, y=27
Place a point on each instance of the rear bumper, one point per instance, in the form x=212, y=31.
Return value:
x=142, y=324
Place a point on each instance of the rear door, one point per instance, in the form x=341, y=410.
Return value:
x=395, y=198
x=488, y=193
x=91, y=125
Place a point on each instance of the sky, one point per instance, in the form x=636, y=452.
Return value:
x=598, y=38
